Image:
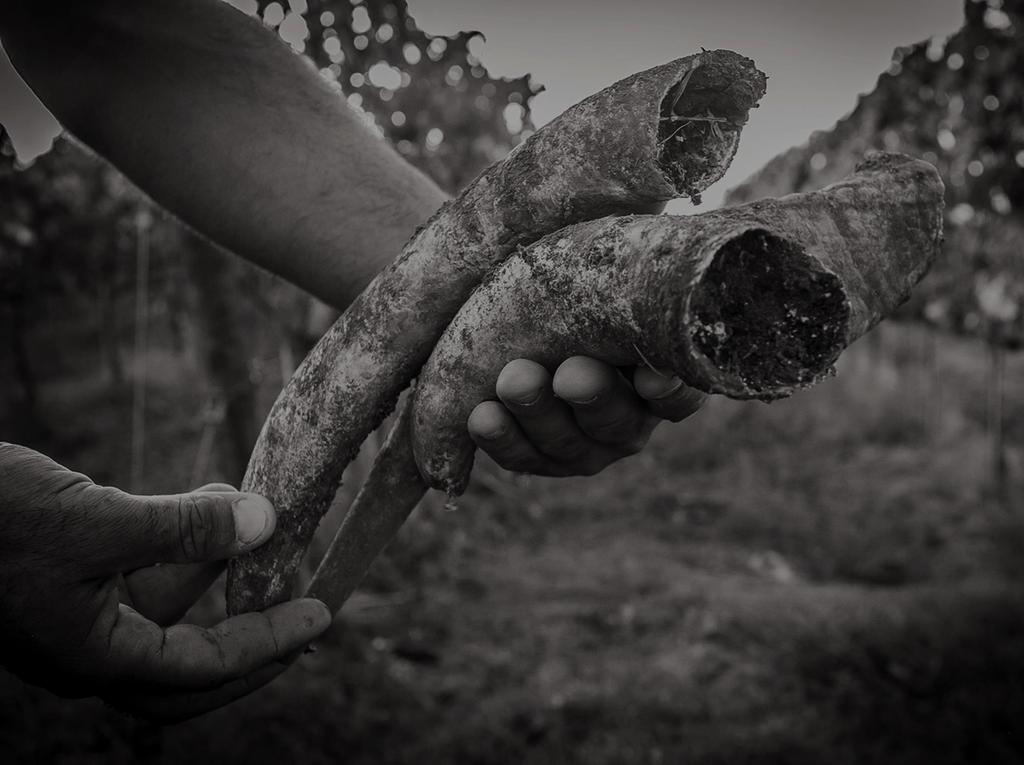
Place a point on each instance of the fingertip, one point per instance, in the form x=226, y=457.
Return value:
x=489, y=420
x=294, y=624
x=652, y=384
x=317, y=615
x=220, y=488
x=581, y=379
x=522, y=382
x=302, y=621
x=255, y=520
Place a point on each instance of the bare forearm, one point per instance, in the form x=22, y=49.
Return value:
x=221, y=123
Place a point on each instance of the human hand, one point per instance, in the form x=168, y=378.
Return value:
x=577, y=421
x=85, y=605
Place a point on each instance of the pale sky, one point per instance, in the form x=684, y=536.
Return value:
x=819, y=55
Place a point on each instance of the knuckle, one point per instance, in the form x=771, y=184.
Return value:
x=191, y=527
x=203, y=530
x=30, y=478
x=271, y=629
x=194, y=656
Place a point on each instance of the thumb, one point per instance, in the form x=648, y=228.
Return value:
x=183, y=528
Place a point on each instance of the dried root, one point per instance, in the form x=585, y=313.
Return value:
x=752, y=302
x=606, y=155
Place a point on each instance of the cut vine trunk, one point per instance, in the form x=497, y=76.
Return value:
x=625, y=149
x=751, y=302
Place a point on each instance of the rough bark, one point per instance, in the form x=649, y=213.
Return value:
x=806, y=276
x=390, y=492
x=665, y=132
x=752, y=302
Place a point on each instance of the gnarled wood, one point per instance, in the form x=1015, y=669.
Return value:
x=752, y=302
x=643, y=140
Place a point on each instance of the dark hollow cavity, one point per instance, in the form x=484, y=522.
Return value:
x=698, y=120
x=767, y=313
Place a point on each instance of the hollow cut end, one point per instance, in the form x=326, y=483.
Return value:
x=768, y=314
x=701, y=117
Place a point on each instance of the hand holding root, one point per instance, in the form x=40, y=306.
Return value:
x=579, y=420
x=753, y=302
x=86, y=607
x=637, y=143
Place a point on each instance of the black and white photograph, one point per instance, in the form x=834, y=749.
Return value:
x=493, y=382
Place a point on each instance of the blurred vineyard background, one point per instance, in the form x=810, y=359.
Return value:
x=834, y=578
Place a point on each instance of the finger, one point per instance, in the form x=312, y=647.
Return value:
x=171, y=708
x=166, y=592
x=524, y=387
x=131, y=532
x=667, y=396
x=189, y=657
x=494, y=430
x=606, y=407
x=222, y=487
